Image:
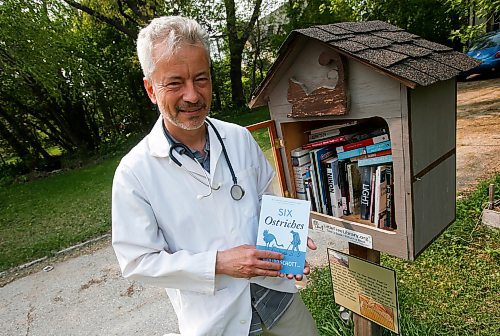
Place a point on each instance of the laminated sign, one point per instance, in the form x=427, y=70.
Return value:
x=283, y=225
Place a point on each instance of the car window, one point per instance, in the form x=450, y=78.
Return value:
x=486, y=42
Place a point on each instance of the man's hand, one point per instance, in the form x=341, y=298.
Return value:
x=245, y=261
x=307, y=269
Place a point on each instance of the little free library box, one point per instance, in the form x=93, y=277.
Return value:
x=384, y=98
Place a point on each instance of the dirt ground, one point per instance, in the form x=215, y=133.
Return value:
x=478, y=131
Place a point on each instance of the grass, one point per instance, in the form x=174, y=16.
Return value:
x=43, y=216
x=453, y=288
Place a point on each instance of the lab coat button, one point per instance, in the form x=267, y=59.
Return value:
x=242, y=321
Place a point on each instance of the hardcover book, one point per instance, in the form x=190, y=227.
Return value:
x=283, y=225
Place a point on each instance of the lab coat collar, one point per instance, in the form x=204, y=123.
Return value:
x=160, y=147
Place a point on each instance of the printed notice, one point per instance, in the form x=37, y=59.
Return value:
x=365, y=288
x=351, y=236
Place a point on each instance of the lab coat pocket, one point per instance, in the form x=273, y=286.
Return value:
x=208, y=309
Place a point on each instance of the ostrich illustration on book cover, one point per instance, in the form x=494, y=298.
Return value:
x=283, y=226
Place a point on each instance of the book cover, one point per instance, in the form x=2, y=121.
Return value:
x=283, y=226
x=384, y=145
x=380, y=196
x=362, y=143
x=332, y=173
x=375, y=160
x=366, y=175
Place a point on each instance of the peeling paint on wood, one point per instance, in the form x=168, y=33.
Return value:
x=323, y=93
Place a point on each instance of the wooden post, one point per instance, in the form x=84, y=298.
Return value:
x=491, y=202
x=362, y=326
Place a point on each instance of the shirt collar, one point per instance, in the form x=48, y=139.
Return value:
x=159, y=146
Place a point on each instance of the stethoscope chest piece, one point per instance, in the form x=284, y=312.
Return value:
x=237, y=192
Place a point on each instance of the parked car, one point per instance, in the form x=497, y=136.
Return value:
x=486, y=49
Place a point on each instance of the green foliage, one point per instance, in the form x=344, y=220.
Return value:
x=451, y=289
x=483, y=10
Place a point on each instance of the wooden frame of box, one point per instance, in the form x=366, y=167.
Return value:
x=422, y=126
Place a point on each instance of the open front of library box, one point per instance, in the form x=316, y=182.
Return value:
x=366, y=117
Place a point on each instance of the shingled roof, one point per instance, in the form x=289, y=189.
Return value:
x=402, y=55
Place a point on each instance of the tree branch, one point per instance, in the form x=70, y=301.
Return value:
x=251, y=23
x=111, y=21
x=133, y=6
x=125, y=15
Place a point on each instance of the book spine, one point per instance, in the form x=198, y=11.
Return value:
x=331, y=191
x=372, y=195
x=314, y=182
x=388, y=195
x=365, y=192
x=378, y=185
x=351, y=187
x=309, y=193
x=371, y=155
x=362, y=143
x=336, y=197
x=344, y=188
x=325, y=142
x=375, y=161
x=299, y=173
x=323, y=135
x=356, y=188
x=378, y=147
x=382, y=213
x=351, y=153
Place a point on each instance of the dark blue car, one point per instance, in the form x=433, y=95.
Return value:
x=486, y=49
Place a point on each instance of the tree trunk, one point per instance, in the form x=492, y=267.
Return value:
x=236, y=41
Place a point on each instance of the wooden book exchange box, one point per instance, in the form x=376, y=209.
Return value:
x=375, y=74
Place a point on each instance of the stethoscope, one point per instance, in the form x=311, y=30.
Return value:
x=237, y=192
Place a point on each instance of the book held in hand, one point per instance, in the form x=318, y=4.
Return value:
x=283, y=227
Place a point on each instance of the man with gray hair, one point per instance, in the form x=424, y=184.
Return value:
x=186, y=199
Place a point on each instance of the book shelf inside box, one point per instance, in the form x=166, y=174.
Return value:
x=394, y=242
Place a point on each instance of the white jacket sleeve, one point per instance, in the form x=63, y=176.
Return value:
x=141, y=249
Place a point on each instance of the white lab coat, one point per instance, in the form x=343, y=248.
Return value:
x=164, y=235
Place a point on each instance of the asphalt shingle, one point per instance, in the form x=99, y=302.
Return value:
x=410, y=50
x=371, y=41
x=396, y=36
x=348, y=45
x=412, y=74
x=381, y=57
x=456, y=60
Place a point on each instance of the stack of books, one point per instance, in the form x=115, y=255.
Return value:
x=346, y=170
